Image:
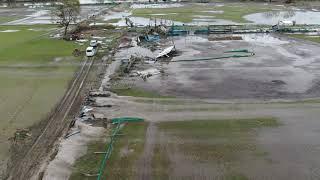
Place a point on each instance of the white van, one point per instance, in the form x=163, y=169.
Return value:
x=91, y=51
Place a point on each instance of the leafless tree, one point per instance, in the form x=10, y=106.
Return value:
x=66, y=12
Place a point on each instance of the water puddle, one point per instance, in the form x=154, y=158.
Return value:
x=137, y=21
x=201, y=16
x=141, y=6
x=271, y=18
x=204, y=22
x=263, y=39
x=9, y=31
x=214, y=12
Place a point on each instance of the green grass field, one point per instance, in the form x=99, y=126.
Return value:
x=186, y=14
x=138, y=93
x=31, y=81
x=126, y=150
x=5, y=19
x=221, y=142
x=27, y=46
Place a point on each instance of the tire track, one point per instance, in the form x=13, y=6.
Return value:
x=57, y=123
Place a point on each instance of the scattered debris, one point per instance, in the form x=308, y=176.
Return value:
x=99, y=94
x=56, y=36
x=286, y=23
x=152, y=38
x=278, y=82
x=72, y=133
x=128, y=63
x=86, y=109
x=77, y=52
x=81, y=40
x=166, y=52
x=21, y=134
x=147, y=73
x=129, y=23
x=85, y=114
x=89, y=175
x=126, y=43
x=100, y=152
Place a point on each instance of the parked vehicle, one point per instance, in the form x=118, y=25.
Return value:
x=93, y=43
x=91, y=51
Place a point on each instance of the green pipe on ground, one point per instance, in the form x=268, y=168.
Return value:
x=247, y=54
x=108, y=153
x=214, y=58
x=115, y=131
x=238, y=50
x=126, y=119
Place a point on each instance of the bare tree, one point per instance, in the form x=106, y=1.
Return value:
x=11, y=3
x=66, y=12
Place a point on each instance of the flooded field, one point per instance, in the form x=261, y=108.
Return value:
x=215, y=106
x=197, y=139
x=280, y=68
x=40, y=15
x=228, y=118
x=271, y=18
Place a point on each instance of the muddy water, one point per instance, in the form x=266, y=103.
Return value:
x=289, y=151
x=280, y=68
x=271, y=18
x=42, y=16
x=145, y=162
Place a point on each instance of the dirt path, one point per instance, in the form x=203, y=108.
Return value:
x=145, y=162
x=26, y=165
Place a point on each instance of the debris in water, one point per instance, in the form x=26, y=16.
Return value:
x=152, y=38
x=147, y=73
x=166, y=52
x=278, y=82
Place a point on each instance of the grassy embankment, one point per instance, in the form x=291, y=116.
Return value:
x=186, y=14
x=32, y=82
x=126, y=150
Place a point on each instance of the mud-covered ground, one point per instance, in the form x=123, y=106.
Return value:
x=233, y=118
x=280, y=68
x=254, y=140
